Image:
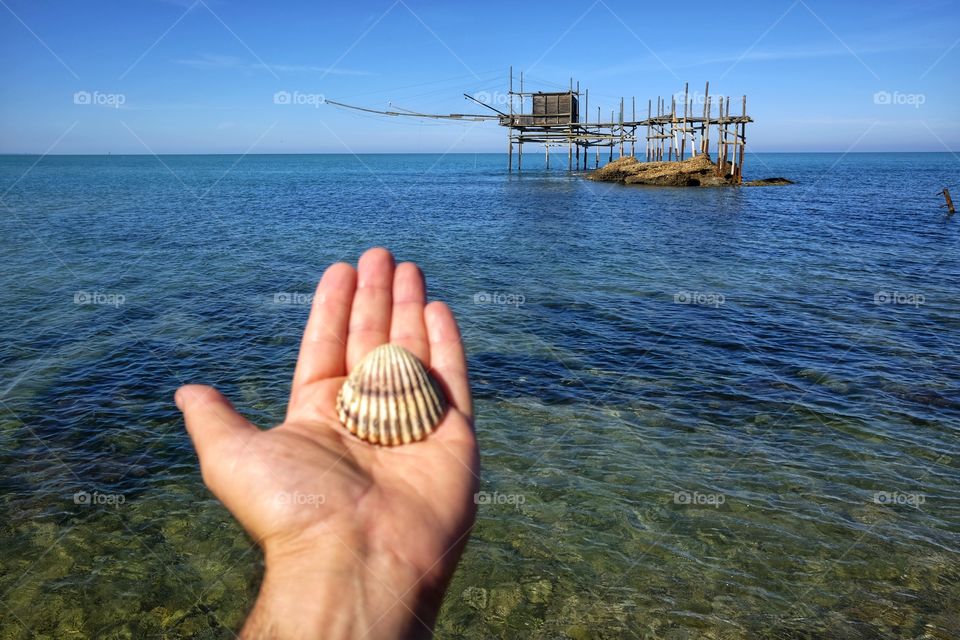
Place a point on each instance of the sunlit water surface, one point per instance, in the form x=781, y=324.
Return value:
x=704, y=413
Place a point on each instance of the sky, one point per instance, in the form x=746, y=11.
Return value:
x=222, y=76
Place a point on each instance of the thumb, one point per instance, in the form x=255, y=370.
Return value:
x=214, y=425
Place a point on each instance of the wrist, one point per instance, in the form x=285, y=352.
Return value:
x=339, y=590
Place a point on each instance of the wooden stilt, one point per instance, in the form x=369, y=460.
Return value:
x=743, y=141
x=520, y=137
x=683, y=143
x=611, y=136
x=586, y=112
x=705, y=127
x=673, y=123
x=510, y=127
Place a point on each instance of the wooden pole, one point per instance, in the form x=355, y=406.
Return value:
x=949, y=201
x=649, y=115
x=720, y=136
x=683, y=143
x=705, y=127
x=570, y=132
x=597, y=166
x=510, y=128
x=633, y=130
x=586, y=111
x=520, y=137
x=621, y=127
x=661, y=107
x=611, y=135
x=743, y=142
x=726, y=118
x=547, y=147
x=573, y=127
x=673, y=124
x=733, y=154
x=726, y=135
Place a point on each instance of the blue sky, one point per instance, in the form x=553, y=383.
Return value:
x=185, y=76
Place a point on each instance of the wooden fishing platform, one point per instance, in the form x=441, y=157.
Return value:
x=554, y=120
x=669, y=132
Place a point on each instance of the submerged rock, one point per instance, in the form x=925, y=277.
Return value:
x=768, y=182
x=698, y=171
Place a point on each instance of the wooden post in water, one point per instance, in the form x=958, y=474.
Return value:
x=633, y=130
x=510, y=128
x=570, y=130
x=726, y=134
x=586, y=111
x=949, y=201
x=743, y=142
x=520, y=137
x=720, y=137
x=575, y=128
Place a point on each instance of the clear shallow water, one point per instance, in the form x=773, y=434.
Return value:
x=776, y=459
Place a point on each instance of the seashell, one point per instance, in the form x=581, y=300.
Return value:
x=390, y=398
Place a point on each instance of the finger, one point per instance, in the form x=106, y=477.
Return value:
x=214, y=425
x=409, y=298
x=448, y=361
x=323, y=349
x=370, y=314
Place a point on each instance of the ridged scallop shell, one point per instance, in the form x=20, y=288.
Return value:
x=390, y=398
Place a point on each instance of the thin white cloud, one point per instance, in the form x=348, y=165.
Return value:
x=682, y=61
x=210, y=61
x=213, y=62
x=306, y=68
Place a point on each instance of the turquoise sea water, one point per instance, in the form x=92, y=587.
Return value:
x=703, y=413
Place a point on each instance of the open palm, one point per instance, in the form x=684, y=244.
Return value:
x=309, y=486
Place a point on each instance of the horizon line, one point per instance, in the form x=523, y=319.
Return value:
x=383, y=153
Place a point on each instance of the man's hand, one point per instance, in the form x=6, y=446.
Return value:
x=359, y=540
